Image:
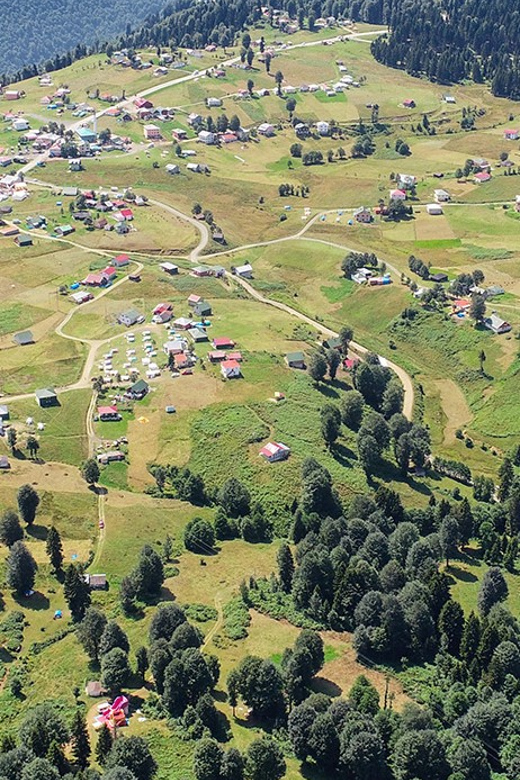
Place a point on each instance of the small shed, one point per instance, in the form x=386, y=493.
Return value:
x=23, y=338
x=202, y=309
x=295, y=359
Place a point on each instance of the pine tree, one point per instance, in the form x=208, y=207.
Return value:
x=285, y=567
x=80, y=740
x=104, y=745
x=21, y=568
x=506, y=475
x=141, y=656
x=465, y=521
x=28, y=501
x=451, y=626
x=470, y=638
x=54, y=549
x=56, y=756
x=76, y=592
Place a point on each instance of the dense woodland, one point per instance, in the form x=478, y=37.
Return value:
x=456, y=40
x=35, y=32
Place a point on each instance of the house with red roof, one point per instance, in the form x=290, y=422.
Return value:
x=222, y=342
x=275, y=451
x=95, y=280
x=143, y=103
x=194, y=299
x=128, y=214
x=481, y=177
x=121, y=260
x=409, y=103
x=216, y=355
x=511, y=135
x=108, y=413
x=230, y=369
x=110, y=272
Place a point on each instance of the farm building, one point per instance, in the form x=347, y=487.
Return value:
x=497, y=324
x=23, y=240
x=434, y=209
x=96, y=581
x=439, y=277
x=111, y=457
x=46, y=397
x=213, y=102
x=120, y=261
x=441, y=196
x=275, y=451
x=245, y=271
x=295, y=359
x=81, y=297
x=482, y=177
x=230, y=369
x=206, y=137
x=169, y=268
x=172, y=169
x=197, y=334
x=409, y=103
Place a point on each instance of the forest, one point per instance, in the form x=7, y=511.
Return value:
x=33, y=33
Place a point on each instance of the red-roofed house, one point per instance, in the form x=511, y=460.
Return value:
x=409, y=103
x=274, y=451
x=217, y=355
x=461, y=304
x=121, y=260
x=108, y=413
x=511, y=135
x=194, y=299
x=110, y=272
x=95, y=280
x=222, y=342
x=143, y=103
x=128, y=214
x=162, y=307
x=228, y=138
x=230, y=369
x=479, y=178
x=235, y=356
x=182, y=360
x=397, y=195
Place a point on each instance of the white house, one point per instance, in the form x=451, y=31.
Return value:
x=152, y=133
x=406, y=181
x=172, y=169
x=213, y=102
x=323, y=128
x=245, y=271
x=441, y=196
x=497, y=324
x=193, y=167
x=434, y=209
x=397, y=195
x=20, y=124
x=230, y=369
x=266, y=129
x=194, y=119
x=274, y=451
x=206, y=137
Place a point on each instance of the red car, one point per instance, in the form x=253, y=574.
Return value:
x=101, y=523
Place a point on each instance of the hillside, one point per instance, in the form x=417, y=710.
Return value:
x=32, y=33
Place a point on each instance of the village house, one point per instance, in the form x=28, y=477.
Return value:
x=194, y=119
x=182, y=360
x=81, y=297
x=397, y=195
x=434, y=209
x=138, y=390
x=86, y=135
x=409, y=103
x=64, y=230
x=361, y=276
x=4, y=413
x=12, y=94
x=213, y=102
x=20, y=124
x=143, y=103
x=266, y=129
x=129, y=318
x=120, y=261
x=482, y=177
x=295, y=359
x=481, y=163
x=179, y=134
x=4, y=463
x=182, y=323
x=405, y=181
x=174, y=346
x=197, y=335
x=511, y=135
x=194, y=167
x=497, y=324
x=202, y=309
x=275, y=451
x=363, y=214
x=439, y=277
x=202, y=270
x=230, y=369
x=23, y=240
x=46, y=397
x=113, y=456
x=152, y=133
x=172, y=169
x=222, y=342
x=205, y=137
x=323, y=128
x=108, y=414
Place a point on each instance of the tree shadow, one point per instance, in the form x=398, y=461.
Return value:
x=343, y=454
x=37, y=531
x=322, y=685
x=327, y=390
x=36, y=602
x=457, y=573
x=312, y=772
